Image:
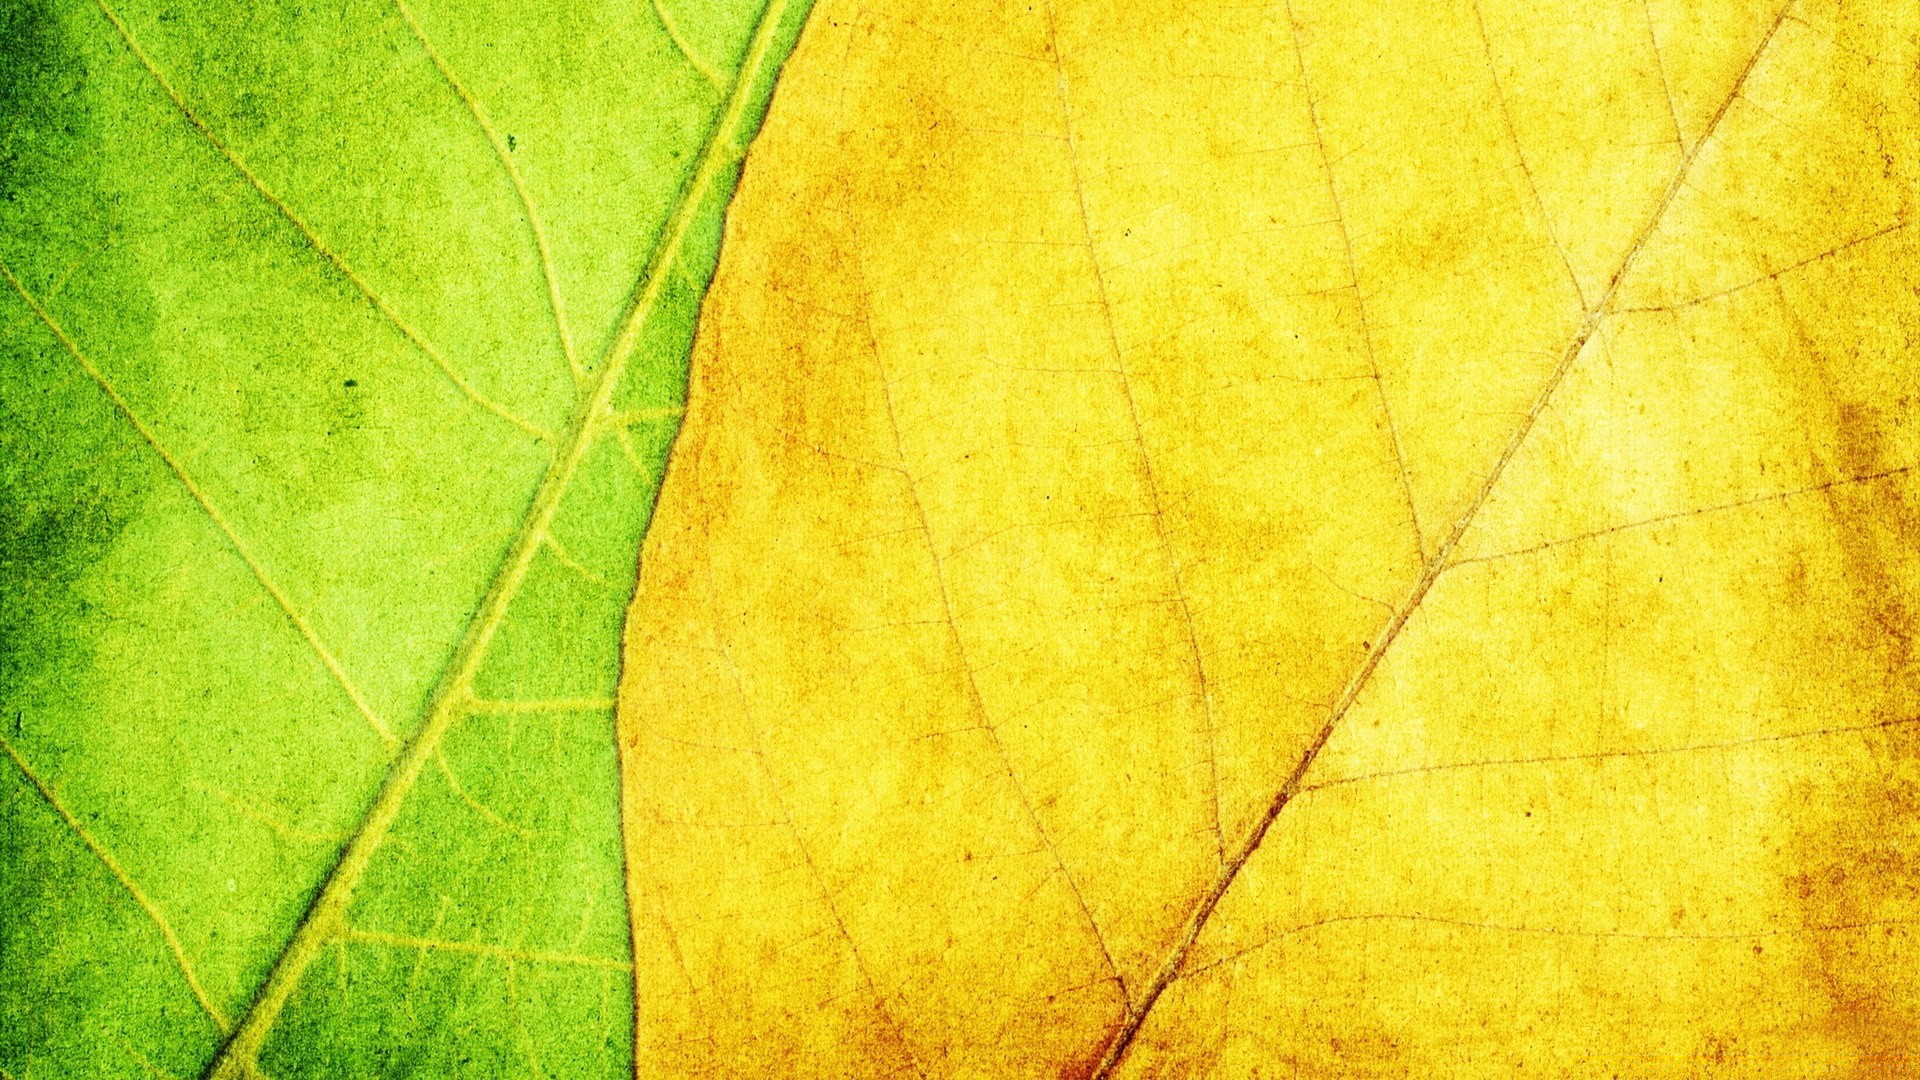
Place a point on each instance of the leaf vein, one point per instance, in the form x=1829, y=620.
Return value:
x=1682, y=515
x=1208, y=902
x=814, y=872
x=312, y=238
x=359, y=936
x=1612, y=755
x=1203, y=690
x=1770, y=276
x=1520, y=153
x=460, y=792
x=300, y=622
x=1359, y=294
x=556, y=304
x=1545, y=931
x=119, y=872
x=976, y=703
x=326, y=916
x=687, y=52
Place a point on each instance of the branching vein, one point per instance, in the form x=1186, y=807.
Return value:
x=325, y=918
x=976, y=703
x=1520, y=151
x=199, y=494
x=1723, y=936
x=505, y=154
x=140, y=898
x=1596, y=313
x=480, y=948
x=1203, y=690
x=687, y=52
x=1681, y=515
x=1359, y=295
x=819, y=879
x=1614, y=755
x=319, y=246
x=1770, y=276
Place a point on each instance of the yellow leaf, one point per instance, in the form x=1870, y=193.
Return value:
x=1320, y=538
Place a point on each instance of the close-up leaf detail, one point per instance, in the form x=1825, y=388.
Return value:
x=1298, y=539
x=341, y=346
x=1101, y=540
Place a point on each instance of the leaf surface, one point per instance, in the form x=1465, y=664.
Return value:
x=342, y=347
x=1317, y=538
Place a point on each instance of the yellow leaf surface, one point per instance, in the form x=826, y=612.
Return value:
x=1306, y=539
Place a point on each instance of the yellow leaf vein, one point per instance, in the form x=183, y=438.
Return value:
x=501, y=151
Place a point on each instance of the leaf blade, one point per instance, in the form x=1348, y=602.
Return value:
x=327, y=532
x=910, y=618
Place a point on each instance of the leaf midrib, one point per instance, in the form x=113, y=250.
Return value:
x=1121, y=1040
x=325, y=917
x=324, y=920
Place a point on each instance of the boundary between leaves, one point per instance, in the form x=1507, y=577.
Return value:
x=1123, y=1036
x=325, y=918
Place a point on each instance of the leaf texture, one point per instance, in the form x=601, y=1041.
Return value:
x=1316, y=539
x=342, y=345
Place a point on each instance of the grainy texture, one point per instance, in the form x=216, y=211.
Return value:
x=1302, y=539
x=340, y=346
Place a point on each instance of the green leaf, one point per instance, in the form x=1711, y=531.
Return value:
x=343, y=344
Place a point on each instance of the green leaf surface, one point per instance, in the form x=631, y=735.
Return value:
x=341, y=346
